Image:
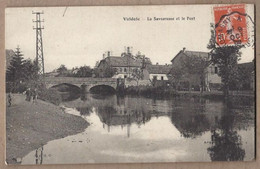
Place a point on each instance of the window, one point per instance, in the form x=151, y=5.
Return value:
x=161, y=77
x=120, y=70
x=154, y=77
x=124, y=69
x=125, y=76
x=216, y=70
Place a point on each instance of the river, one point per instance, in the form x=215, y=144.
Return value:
x=139, y=129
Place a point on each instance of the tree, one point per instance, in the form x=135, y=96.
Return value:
x=137, y=75
x=84, y=71
x=226, y=143
x=144, y=60
x=14, y=73
x=194, y=65
x=190, y=66
x=245, y=75
x=109, y=72
x=105, y=72
x=15, y=70
x=226, y=57
x=62, y=70
x=30, y=70
x=177, y=73
x=21, y=73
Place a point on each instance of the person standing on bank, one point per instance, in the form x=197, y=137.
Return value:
x=28, y=95
x=35, y=96
x=9, y=97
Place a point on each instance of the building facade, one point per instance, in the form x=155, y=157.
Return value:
x=124, y=66
x=212, y=80
x=157, y=72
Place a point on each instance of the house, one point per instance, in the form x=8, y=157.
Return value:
x=124, y=65
x=157, y=72
x=54, y=73
x=212, y=80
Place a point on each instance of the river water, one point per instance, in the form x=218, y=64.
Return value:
x=139, y=129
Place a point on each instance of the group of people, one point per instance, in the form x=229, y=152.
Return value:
x=31, y=95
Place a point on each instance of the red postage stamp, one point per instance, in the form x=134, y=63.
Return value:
x=230, y=24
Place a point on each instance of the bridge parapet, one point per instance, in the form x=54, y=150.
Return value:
x=78, y=79
x=89, y=82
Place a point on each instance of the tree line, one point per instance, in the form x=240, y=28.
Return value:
x=85, y=71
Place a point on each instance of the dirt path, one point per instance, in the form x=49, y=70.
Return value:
x=28, y=126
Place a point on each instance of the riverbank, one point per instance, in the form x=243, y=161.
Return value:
x=28, y=126
x=160, y=91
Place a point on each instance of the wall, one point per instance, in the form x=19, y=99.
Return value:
x=212, y=76
x=158, y=76
x=129, y=82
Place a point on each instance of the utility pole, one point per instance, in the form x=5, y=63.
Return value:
x=39, y=46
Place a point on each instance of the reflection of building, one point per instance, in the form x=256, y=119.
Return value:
x=124, y=111
x=191, y=116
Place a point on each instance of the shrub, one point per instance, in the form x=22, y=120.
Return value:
x=50, y=95
x=15, y=87
x=150, y=91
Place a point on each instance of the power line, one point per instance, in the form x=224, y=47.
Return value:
x=39, y=44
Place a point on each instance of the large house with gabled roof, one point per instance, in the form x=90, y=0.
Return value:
x=124, y=65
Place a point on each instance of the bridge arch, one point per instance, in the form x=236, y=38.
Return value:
x=102, y=89
x=62, y=87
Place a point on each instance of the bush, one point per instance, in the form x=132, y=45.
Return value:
x=15, y=88
x=50, y=95
x=150, y=91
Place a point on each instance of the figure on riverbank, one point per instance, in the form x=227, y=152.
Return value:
x=9, y=99
x=35, y=95
x=28, y=94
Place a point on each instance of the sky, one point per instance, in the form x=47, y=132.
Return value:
x=83, y=34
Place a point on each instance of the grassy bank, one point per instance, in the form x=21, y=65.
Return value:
x=29, y=126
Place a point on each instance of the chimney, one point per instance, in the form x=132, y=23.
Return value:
x=104, y=56
x=166, y=64
x=128, y=50
x=183, y=50
x=108, y=53
x=157, y=63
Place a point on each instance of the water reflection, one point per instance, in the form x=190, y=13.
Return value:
x=191, y=116
x=138, y=129
x=226, y=142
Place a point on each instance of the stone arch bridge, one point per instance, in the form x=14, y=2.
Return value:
x=79, y=82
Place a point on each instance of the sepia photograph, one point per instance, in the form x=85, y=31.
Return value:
x=130, y=84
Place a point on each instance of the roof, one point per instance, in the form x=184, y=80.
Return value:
x=158, y=69
x=193, y=53
x=118, y=61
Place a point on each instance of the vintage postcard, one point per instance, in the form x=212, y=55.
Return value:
x=130, y=84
